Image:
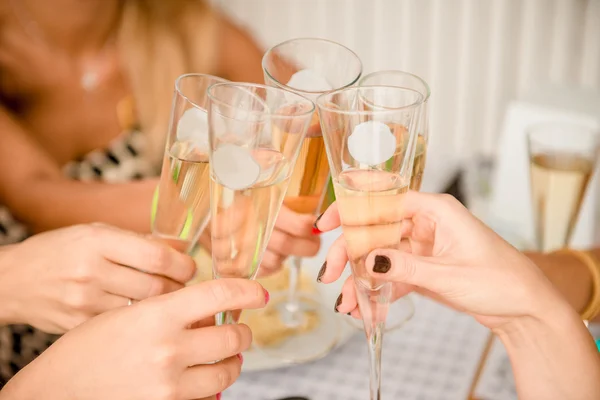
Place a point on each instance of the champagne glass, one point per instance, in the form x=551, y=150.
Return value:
x=181, y=206
x=370, y=152
x=562, y=160
x=255, y=135
x=403, y=309
x=309, y=67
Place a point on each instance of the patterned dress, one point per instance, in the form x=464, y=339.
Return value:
x=121, y=161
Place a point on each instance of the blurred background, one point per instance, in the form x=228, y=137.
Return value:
x=476, y=55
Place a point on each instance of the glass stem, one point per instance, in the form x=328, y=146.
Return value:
x=294, y=285
x=227, y=318
x=375, y=346
x=374, y=306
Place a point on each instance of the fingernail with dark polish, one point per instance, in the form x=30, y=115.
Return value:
x=315, y=228
x=350, y=313
x=337, y=303
x=382, y=264
x=322, y=271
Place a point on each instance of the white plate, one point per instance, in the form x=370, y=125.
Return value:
x=255, y=360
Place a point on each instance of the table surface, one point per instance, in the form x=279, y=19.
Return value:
x=433, y=357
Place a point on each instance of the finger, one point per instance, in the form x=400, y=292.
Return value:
x=347, y=301
x=133, y=284
x=202, y=381
x=206, y=299
x=294, y=224
x=81, y=308
x=336, y=261
x=329, y=220
x=152, y=256
x=270, y=264
x=225, y=341
x=406, y=228
x=414, y=203
x=210, y=321
x=286, y=244
x=397, y=266
x=108, y=301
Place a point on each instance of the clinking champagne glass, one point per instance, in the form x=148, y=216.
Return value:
x=181, y=206
x=370, y=152
x=309, y=67
x=562, y=160
x=403, y=309
x=255, y=134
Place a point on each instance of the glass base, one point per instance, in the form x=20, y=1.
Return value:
x=399, y=313
x=309, y=334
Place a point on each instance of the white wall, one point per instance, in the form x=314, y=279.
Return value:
x=475, y=54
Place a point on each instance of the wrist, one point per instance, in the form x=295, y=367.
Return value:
x=523, y=330
x=551, y=354
x=9, y=312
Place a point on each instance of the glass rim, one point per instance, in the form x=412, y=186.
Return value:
x=396, y=72
x=183, y=77
x=310, y=39
x=242, y=85
x=322, y=104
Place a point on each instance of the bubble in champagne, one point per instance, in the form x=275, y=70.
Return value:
x=234, y=167
x=310, y=81
x=372, y=143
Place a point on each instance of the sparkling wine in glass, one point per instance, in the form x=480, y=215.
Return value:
x=562, y=159
x=181, y=208
x=255, y=134
x=370, y=152
x=309, y=67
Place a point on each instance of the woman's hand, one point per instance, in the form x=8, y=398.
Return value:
x=452, y=257
x=57, y=280
x=293, y=235
x=146, y=351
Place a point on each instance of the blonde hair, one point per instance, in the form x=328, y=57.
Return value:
x=158, y=41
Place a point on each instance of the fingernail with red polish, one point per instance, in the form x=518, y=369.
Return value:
x=218, y=396
x=241, y=357
x=315, y=228
x=267, y=296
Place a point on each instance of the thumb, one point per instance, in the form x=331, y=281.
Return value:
x=398, y=266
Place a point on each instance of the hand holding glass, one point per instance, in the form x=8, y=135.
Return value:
x=370, y=140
